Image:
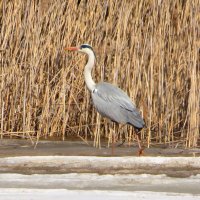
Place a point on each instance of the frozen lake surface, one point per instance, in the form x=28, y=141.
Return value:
x=95, y=186
x=61, y=194
x=171, y=166
x=91, y=177
x=118, y=182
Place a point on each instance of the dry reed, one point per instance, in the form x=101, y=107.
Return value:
x=149, y=48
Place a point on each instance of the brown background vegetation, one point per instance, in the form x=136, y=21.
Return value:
x=150, y=48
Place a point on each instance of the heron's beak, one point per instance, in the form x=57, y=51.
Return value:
x=72, y=48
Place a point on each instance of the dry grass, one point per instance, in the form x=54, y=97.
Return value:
x=149, y=48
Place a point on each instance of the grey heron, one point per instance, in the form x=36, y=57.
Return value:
x=109, y=100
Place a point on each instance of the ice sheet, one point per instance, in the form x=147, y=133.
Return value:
x=36, y=194
x=118, y=182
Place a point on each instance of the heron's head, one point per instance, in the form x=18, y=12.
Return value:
x=84, y=48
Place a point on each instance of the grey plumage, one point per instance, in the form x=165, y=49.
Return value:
x=111, y=102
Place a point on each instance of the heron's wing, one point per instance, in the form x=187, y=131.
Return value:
x=112, y=102
x=113, y=94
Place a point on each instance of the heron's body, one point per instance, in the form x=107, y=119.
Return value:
x=113, y=103
x=109, y=100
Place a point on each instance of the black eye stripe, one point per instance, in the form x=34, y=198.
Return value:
x=86, y=46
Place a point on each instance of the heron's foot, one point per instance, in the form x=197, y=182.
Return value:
x=141, y=152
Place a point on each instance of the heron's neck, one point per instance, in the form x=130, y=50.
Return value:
x=87, y=71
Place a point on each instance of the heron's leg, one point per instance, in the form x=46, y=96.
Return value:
x=113, y=142
x=138, y=141
x=113, y=138
x=114, y=135
x=120, y=127
x=140, y=151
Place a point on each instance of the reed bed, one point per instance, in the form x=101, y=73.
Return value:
x=150, y=48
